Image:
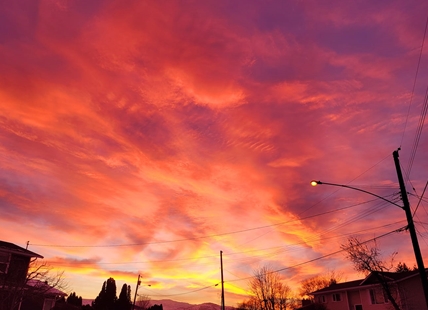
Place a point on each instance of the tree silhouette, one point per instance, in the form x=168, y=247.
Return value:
x=268, y=291
x=143, y=302
x=124, y=301
x=106, y=299
x=99, y=302
x=318, y=282
x=402, y=267
x=75, y=300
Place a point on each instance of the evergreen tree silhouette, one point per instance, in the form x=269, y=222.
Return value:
x=75, y=300
x=106, y=299
x=124, y=301
x=111, y=294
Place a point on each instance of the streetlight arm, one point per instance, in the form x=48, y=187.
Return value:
x=314, y=183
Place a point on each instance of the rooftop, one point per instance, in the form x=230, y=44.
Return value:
x=15, y=249
x=369, y=280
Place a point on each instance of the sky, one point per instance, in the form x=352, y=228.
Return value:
x=145, y=137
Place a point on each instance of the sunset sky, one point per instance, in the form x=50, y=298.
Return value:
x=144, y=137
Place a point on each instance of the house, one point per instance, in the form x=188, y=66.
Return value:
x=15, y=288
x=42, y=296
x=367, y=294
x=14, y=262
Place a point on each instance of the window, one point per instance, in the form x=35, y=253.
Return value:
x=377, y=296
x=4, y=262
x=337, y=297
x=358, y=307
x=48, y=303
x=323, y=299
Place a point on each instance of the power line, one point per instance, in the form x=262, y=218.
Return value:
x=418, y=132
x=185, y=293
x=283, y=248
x=251, y=258
x=304, y=211
x=201, y=237
x=304, y=218
x=414, y=82
x=324, y=256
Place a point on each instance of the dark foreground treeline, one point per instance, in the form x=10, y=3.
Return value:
x=106, y=300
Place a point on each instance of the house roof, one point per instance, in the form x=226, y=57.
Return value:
x=371, y=279
x=389, y=276
x=15, y=249
x=339, y=286
x=45, y=288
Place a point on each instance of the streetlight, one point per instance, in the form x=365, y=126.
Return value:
x=315, y=183
x=410, y=224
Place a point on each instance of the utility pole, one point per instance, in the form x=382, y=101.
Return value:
x=411, y=227
x=222, y=282
x=136, y=290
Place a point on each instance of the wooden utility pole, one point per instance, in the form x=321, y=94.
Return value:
x=411, y=227
x=222, y=282
x=136, y=290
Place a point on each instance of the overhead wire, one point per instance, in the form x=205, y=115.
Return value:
x=418, y=133
x=377, y=208
x=414, y=81
x=185, y=293
x=420, y=199
x=414, y=215
x=304, y=211
x=406, y=173
x=326, y=255
x=158, y=242
x=228, y=255
x=419, y=128
x=310, y=216
x=421, y=235
x=419, y=203
x=286, y=250
x=195, y=238
x=380, y=206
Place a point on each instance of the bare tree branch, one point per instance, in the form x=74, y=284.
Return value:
x=368, y=260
